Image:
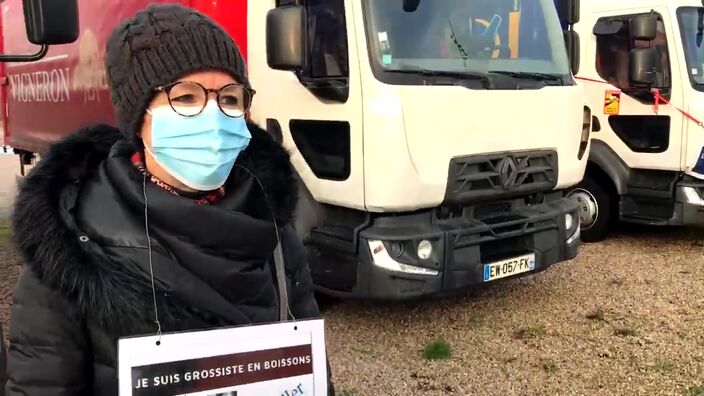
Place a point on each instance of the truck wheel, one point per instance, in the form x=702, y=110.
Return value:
x=596, y=208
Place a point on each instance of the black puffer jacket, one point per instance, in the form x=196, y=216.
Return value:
x=80, y=224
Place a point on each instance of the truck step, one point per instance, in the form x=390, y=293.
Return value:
x=646, y=210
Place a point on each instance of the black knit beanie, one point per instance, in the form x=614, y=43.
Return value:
x=158, y=46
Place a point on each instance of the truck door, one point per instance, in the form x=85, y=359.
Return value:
x=629, y=124
x=316, y=111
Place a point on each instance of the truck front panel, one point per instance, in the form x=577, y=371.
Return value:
x=477, y=79
x=442, y=124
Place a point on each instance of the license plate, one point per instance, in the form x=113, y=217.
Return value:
x=509, y=267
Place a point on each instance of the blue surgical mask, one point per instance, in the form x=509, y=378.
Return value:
x=198, y=151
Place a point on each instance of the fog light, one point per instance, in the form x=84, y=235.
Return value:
x=382, y=260
x=425, y=250
x=396, y=250
x=569, y=221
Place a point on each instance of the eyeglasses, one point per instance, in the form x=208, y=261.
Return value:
x=190, y=98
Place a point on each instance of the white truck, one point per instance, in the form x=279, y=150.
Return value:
x=642, y=66
x=433, y=138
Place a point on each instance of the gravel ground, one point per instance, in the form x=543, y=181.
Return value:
x=624, y=318
x=9, y=271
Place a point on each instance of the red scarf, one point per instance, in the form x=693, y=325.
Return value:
x=209, y=199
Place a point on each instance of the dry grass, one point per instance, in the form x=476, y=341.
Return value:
x=625, y=331
x=550, y=367
x=597, y=315
x=529, y=332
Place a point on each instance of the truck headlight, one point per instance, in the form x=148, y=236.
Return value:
x=382, y=259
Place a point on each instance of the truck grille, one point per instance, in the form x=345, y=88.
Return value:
x=500, y=230
x=500, y=175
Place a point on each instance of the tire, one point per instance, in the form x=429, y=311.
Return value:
x=597, y=208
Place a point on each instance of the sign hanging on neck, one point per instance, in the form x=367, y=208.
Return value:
x=274, y=359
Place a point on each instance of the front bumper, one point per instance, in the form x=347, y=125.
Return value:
x=460, y=248
x=689, y=203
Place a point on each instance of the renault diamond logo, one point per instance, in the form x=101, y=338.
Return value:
x=508, y=172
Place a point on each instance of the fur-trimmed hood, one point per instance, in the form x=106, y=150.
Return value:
x=116, y=297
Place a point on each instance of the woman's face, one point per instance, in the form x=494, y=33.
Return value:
x=208, y=79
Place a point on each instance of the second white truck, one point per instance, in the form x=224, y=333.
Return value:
x=642, y=66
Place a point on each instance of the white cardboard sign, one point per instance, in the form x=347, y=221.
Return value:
x=287, y=359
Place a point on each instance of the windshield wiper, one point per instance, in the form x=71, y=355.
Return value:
x=456, y=77
x=530, y=75
x=443, y=73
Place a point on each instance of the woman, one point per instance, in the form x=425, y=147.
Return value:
x=165, y=224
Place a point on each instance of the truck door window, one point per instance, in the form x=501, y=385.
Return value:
x=327, y=39
x=613, y=45
x=642, y=133
x=325, y=145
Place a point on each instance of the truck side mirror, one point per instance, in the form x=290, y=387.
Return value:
x=643, y=27
x=285, y=38
x=48, y=22
x=51, y=21
x=642, y=66
x=573, y=50
x=568, y=11
x=410, y=5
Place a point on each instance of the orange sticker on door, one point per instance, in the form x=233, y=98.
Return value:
x=612, y=102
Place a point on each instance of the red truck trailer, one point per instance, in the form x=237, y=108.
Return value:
x=45, y=100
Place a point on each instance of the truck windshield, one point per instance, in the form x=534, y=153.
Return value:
x=519, y=38
x=691, y=20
